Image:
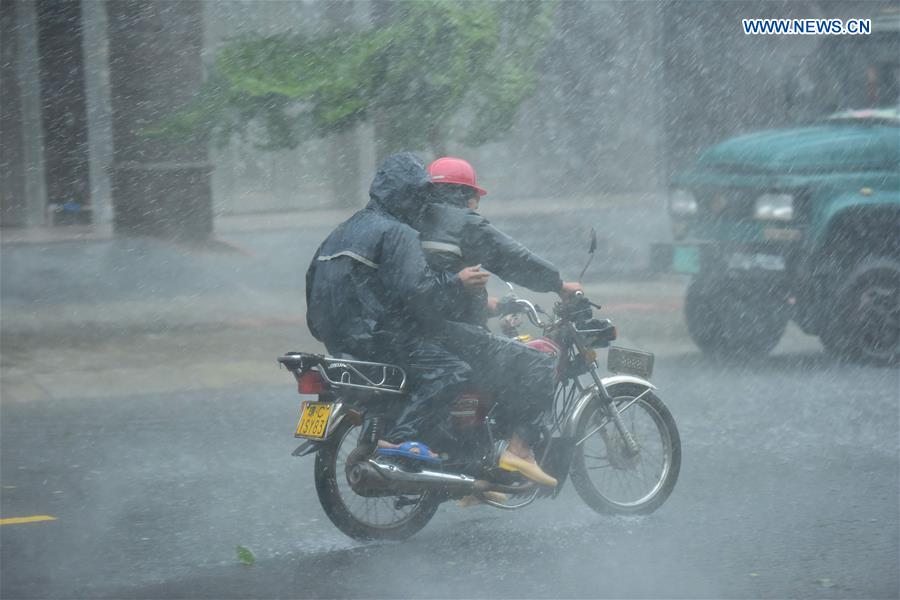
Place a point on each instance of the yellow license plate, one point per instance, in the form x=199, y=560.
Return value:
x=313, y=419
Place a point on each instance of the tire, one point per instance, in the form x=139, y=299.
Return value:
x=656, y=428
x=732, y=318
x=865, y=319
x=355, y=515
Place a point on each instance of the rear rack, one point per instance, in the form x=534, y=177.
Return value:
x=348, y=373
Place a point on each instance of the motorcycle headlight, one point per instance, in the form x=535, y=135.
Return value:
x=775, y=207
x=682, y=203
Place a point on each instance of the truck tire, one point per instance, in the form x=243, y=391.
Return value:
x=865, y=318
x=734, y=318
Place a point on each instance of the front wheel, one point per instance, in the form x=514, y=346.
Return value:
x=360, y=517
x=610, y=478
x=735, y=318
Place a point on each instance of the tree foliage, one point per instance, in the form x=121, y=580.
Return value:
x=440, y=70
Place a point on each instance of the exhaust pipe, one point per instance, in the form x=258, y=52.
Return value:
x=372, y=478
x=375, y=478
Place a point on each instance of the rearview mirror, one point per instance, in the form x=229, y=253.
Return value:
x=591, y=250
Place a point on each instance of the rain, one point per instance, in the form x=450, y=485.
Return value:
x=729, y=200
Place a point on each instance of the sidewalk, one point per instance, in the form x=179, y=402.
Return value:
x=83, y=281
x=65, y=359
x=86, y=314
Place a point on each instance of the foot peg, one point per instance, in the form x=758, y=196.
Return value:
x=498, y=497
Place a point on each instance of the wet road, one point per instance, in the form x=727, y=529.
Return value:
x=789, y=488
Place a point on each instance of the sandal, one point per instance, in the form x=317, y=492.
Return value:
x=412, y=450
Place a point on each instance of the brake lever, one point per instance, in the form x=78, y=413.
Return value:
x=580, y=296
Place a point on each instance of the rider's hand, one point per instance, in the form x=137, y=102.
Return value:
x=473, y=278
x=493, y=304
x=568, y=288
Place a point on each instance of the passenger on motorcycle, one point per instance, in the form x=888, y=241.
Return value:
x=369, y=291
x=454, y=235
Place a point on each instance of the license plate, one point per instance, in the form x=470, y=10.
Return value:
x=686, y=259
x=740, y=261
x=313, y=419
x=635, y=362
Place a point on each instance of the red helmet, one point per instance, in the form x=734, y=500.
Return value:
x=454, y=170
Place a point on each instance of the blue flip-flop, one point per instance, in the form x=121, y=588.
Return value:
x=406, y=451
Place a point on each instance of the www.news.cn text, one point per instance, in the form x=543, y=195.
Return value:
x=807, y=26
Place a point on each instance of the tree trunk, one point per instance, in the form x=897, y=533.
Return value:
x=160, y=187
x=344, y=148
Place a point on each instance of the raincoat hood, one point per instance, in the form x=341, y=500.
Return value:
x=401, y=186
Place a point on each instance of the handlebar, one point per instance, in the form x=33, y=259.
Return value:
x=512, y=305
x=572, y=309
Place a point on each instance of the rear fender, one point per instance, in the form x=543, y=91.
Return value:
x=591, y=393
x=307, y=447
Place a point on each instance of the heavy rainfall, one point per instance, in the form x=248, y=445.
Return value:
x=728, y=199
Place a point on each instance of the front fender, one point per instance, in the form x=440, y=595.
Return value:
x=590, y=393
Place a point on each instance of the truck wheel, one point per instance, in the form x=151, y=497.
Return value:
x=865, y=321
x=732, y=317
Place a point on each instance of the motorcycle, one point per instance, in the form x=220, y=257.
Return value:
x=613, y=435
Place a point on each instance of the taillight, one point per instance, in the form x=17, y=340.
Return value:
x=310, y=383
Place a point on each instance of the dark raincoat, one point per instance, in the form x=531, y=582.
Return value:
x=370, y=293
x=368, y=287
x=521, y=378
x=454, y=237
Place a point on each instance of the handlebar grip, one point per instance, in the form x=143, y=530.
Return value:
x=579, y=295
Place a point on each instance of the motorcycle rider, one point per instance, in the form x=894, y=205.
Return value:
x=453, y=234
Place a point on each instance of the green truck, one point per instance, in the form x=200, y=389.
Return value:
x=795, y=224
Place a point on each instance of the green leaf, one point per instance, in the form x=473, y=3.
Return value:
x=245, y=556
x=438, y=69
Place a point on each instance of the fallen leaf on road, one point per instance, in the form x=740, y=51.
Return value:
x=245, y=556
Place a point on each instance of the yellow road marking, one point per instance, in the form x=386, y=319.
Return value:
x=34, y=519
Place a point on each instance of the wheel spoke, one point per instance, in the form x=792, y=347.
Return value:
x=378, y=512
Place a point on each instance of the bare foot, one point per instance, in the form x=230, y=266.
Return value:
x=518, y=447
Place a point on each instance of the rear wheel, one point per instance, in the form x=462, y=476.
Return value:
x=865, y=323
x=606, y=475
x=360, y=517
